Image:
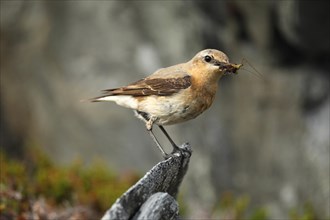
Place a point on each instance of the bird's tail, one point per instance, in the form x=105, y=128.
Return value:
x=103, y=98
x=126, y=101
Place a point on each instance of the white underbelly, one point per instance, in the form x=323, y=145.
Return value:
x=169, y=109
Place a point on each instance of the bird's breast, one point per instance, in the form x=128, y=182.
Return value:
x=183, y=106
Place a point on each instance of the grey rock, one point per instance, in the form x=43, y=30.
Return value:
x=142, y=200
x=158, y=206
x=304, y=24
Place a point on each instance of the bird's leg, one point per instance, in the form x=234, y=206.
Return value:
x=175, y=147
x=165, y=155
x=149, y=124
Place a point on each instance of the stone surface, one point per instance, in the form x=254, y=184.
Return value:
x=142, y=200
x=158, y=206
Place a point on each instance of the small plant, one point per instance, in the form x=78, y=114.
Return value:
x=23, y=183
x=232, y=208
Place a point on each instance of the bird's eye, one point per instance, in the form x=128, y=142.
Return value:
x=207, y=58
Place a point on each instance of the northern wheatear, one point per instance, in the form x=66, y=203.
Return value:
x=174, y=94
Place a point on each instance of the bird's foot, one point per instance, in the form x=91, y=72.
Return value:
x=178, y=151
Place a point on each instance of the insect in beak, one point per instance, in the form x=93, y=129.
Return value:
x=235, y=67
x=230, y=68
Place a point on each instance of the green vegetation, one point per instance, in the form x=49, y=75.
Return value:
x=230, y=207
x=240, y=208
x=22, y=182
x=307, y=213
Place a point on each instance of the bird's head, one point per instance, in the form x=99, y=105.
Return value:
x=212, y=64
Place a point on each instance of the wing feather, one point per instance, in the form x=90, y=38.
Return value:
x=151, y=86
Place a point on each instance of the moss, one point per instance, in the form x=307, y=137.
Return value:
x=306, y=213
x=240, y=207
x=22, y=182
x=237, y=208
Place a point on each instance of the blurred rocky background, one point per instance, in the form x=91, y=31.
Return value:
x=267, y=139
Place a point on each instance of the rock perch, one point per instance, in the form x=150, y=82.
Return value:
x=153, y=196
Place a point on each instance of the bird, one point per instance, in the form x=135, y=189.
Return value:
x=173, y=94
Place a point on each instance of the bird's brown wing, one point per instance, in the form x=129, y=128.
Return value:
x=152, y=86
